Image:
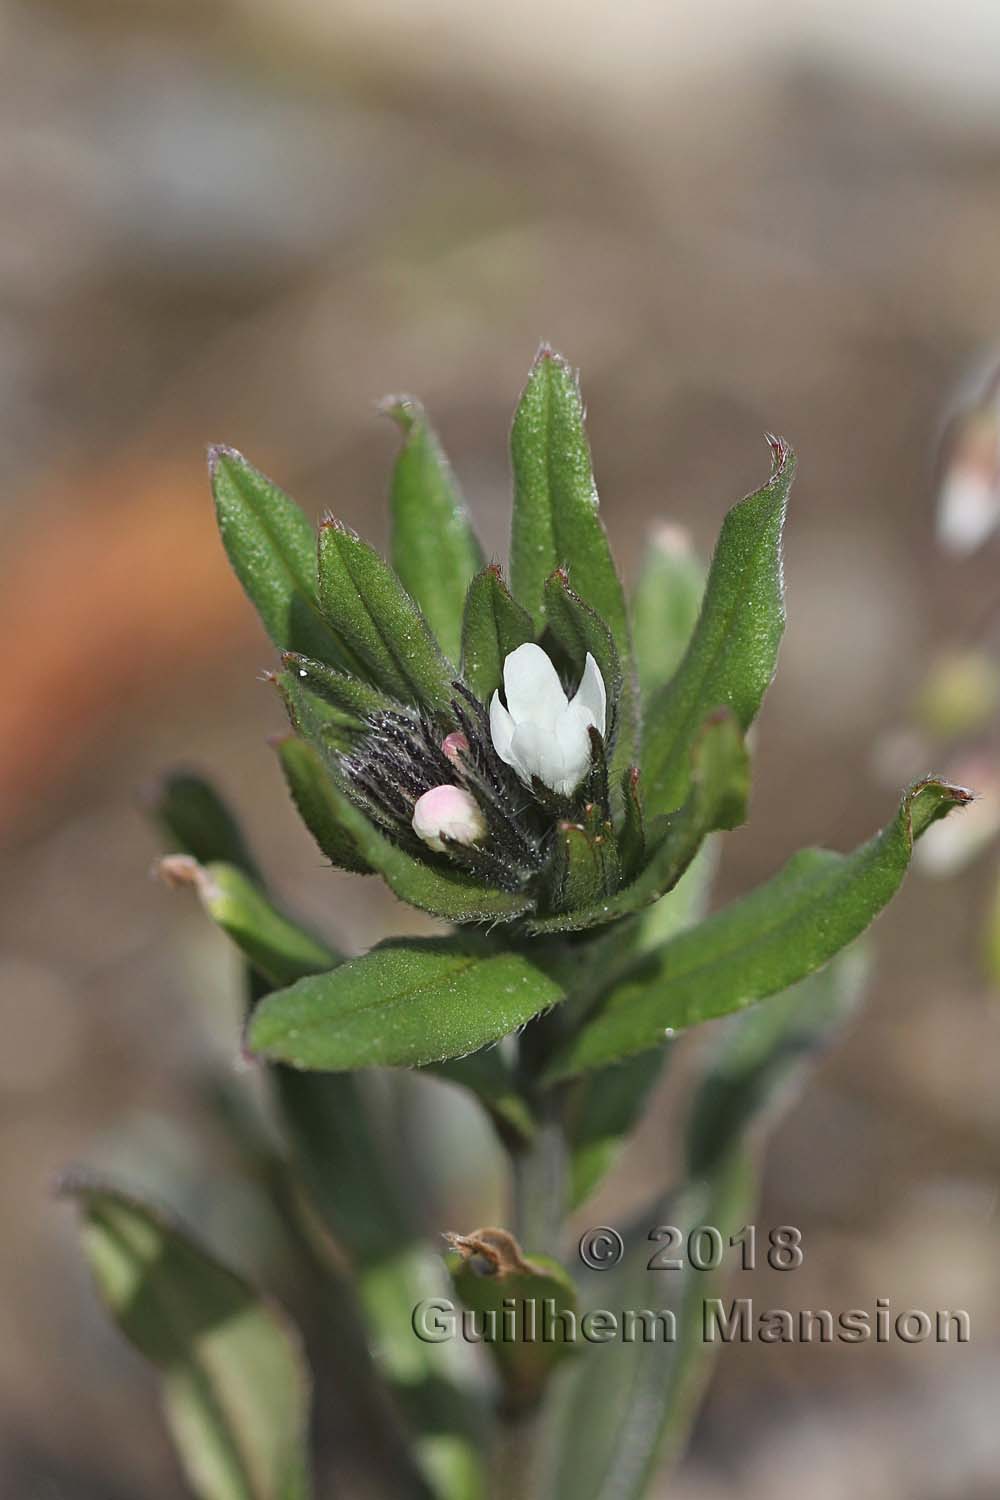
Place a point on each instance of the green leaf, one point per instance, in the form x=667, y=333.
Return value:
x=313, y=717
x=406, y=1003
x=235, y=1384
x=605, y=1104
x=524, y=1314
x=622, y=1403
x=435, y=1389
x=343, y=1166
x=434, y=549
x=272, y=547
x=196, y=820
x=345, y=1155
x=276, y=946
x=318, y=803
x=731, y=658
x=632, y=837
x=665, y=605
x=446, y=893
x=492, y=1080
x=759, y=1054
x=758, y=945
x=493, y=626
x=366, y=604
x=579, y=874
x=717, y=800
x=603, y=1110
x=556, y=523
x=349, y=695
x=628, y=1408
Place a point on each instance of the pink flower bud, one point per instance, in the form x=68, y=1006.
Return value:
x=453, y=745
x=447, y=812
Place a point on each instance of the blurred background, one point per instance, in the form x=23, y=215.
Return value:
x=244, y=221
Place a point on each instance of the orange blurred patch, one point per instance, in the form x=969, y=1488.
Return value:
x=109, y=596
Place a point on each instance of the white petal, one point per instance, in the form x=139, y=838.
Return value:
x=573, y=742
x=532, y=752
x=592, y=695
x=501, y=729
x=531, y=683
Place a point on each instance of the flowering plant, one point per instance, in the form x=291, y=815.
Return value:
x=542, y=765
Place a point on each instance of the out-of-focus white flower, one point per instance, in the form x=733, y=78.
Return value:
x=968, y=508
x=541, y=732
x=447, y=812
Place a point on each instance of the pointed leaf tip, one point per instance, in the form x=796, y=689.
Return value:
x=405, y=411
x=216, y=452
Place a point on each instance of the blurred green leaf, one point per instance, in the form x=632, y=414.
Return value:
x=556, y=522
x=621, y=1404
x=603, y=1110
x=731, y=657
x=759, y=1054
x=626, y=1408
x=342, y=1164
x=758, y=945
x=318, y=803
x=407, y=1002
x=434, y=549
x=524, y=1315
x=272, y=547
x=364, y=601
x=605, y=1104
x=664, y=606
x=434, y=1387
x=235, y=1384
x=493, y=626
x=197, y=821
x=491, y=1079
x=716, y=799
x=279, y=948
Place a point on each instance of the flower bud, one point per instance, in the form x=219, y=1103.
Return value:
x=447, y=812
x=453, y=745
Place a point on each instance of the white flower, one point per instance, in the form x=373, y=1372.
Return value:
x=447, y=812
x=541, y=733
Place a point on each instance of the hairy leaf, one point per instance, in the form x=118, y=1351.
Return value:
x=366, y=604
x=272, y=547
x=277, y=947
x=434, y=549
x=556, y=523
x=493, y=626
x=760, y=944
x=406, y=1003
x=319, y=804
x=731, y=658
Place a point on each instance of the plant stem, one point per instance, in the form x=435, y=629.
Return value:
x=538, y=1173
